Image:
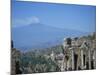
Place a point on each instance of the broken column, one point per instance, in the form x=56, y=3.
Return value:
x=82, y=48
x=82, y=65
x=72, y=57
x=89, y=55
x=94, y=59
x=66, y=51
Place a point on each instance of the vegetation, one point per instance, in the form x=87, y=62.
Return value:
x=38, y=60
x=31, y=63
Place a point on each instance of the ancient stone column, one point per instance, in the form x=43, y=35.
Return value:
x=89, y=55
x=63, y=65
x=72, y=57
x=94, y=59
x=82, y=65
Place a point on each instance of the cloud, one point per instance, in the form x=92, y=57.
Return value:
x=25, y=21
x=33, y=20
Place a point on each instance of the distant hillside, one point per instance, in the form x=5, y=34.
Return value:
x=40, y=36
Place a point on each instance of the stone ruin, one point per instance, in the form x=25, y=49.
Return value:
x=79, y=54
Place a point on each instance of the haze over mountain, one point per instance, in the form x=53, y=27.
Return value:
x=40, y=36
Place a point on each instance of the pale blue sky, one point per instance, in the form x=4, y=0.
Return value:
x=68, y=16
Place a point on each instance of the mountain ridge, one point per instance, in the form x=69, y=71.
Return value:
x=41, y=34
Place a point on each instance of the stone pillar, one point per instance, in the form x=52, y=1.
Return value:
x=82, y=65
x=72, y=60
x=66, y=63
x=89, y=55
x=94, y=59
x=63, y=65
x=72, y=57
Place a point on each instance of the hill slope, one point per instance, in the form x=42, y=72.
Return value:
x=40, y=36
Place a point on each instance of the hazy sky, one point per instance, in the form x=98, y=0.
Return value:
x=78, y=17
